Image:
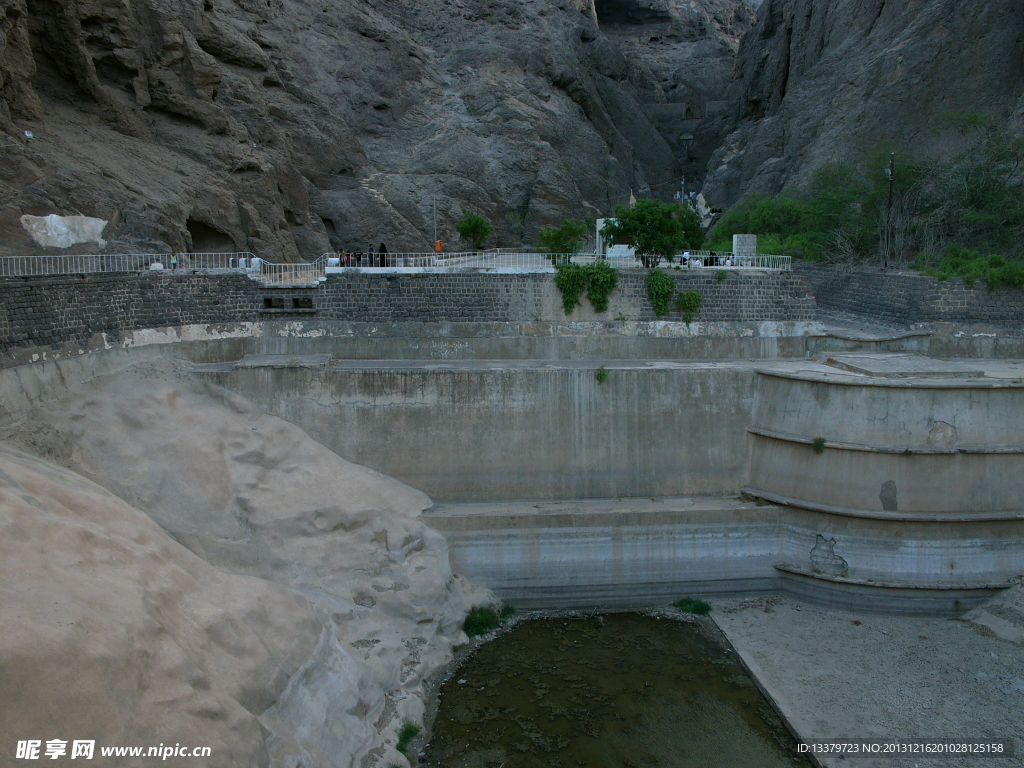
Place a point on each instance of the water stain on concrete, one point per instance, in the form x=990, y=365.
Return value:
x=888, y=496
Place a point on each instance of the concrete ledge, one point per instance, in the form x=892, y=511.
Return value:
x=850, y=379
x=878, y=599
x=871, y=514
x=889, y=584
x=900, y=449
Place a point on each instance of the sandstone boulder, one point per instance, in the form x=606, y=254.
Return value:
x=285, y=610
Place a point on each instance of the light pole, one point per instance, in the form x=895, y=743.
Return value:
x=890, y=172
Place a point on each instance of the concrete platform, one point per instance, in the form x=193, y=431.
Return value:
x=838, y=675
x=903, y=366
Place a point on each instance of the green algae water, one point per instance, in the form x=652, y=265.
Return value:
x=611, y=691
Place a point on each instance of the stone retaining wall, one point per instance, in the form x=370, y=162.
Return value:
x=905, y=299
x=41, y=313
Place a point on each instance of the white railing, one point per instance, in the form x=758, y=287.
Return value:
x=532, y=261
x=273, y=273
x=270, y=273
x=16, y=266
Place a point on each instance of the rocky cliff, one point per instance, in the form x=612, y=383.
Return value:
x=821, y=81
x=290, y=127
x=199, y=573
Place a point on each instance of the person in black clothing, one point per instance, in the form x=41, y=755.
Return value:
x=383, y=251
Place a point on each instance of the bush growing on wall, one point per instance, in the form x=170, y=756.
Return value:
x=598, y=279
x=659, y=290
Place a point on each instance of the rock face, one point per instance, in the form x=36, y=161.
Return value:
x=284, y=611
x=290, y=127
x=683, y=52
x=822, y=81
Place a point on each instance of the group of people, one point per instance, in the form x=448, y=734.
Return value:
x=711, y=260
x=372, y=257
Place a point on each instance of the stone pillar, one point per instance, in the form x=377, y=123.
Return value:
x=744, y=247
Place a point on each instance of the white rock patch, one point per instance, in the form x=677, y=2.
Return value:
x=55, y=231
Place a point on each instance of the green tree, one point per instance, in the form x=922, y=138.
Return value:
x=566, y=239
x=474, y=228
x=655, y=230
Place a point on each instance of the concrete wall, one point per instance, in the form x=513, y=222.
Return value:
x=939, y=450
x=634, y=552
x=63, y=315
x=535, y=430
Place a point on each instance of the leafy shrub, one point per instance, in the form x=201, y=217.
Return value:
x=565, y=239
x=601, y=374
x=601, y=281
x=571, y=281
x=688, y=303
x=970, y=266
x=654, y=229
x=485, y=618
x=689, y=605
x=818, y=445
x=598, y=279
x=474, y=228
x=660, y=288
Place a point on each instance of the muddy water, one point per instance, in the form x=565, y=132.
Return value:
x=613, y=691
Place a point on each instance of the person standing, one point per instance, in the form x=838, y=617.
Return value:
x=372, y=256
x=383, y=252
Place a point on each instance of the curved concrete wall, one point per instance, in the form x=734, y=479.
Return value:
x=915, y=413
x=889, y=484
x=892, y=448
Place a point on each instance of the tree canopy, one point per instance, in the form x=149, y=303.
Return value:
x=654, y=229
x=474, y=228
x=565, y=239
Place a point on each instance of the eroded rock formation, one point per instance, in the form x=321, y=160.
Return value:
x=284, y=611
x=823, y=81
x=288, y=127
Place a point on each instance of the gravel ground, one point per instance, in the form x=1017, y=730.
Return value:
x=838, y=675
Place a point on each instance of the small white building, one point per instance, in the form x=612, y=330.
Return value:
x=610, y=250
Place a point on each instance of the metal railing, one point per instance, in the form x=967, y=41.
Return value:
x=18, y=266
x=273, y=273
x=532, y=261
x=270, y=273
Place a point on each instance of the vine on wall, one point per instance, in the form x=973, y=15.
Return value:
x=688, y=303
x=660, y=288
x=597, y=279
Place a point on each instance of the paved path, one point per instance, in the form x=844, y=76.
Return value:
x=839, y=675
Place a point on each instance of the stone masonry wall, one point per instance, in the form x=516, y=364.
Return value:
x=906, y=299
x=42, y=312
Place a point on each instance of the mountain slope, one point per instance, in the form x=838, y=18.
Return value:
x=820, y=81
x=290, y=127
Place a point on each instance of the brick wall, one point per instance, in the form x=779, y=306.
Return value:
x=906, y=299
x=38, y=312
